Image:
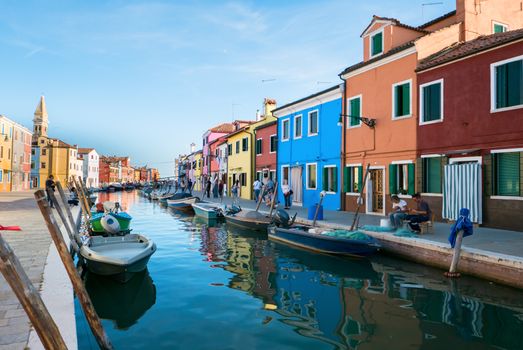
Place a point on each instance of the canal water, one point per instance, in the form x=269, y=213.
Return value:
x=209, y=286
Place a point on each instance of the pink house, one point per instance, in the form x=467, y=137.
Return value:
x=208, y=137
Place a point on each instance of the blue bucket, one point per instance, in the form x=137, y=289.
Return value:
x=312, y=211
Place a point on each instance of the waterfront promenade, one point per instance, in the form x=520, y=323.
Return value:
x=38, y=256
x=488, y=247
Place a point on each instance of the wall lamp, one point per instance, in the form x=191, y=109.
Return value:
x=371, y=123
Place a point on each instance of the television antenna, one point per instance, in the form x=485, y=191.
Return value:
x=428, y=4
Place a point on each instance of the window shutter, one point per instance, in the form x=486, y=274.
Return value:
x=360, y=177
x=355, y=111
x=376, y=44
x=398, y=100
x=324, y=182
x=515, y=77
x=405, y=101
x=435, y=102
x=346, y=179
x=501, y=86
x=392, y=179
x=335, y=179
x=412, y=179
x=508, y=174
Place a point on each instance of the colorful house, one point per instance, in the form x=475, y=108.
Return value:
x=380, y=99
x=221, y=159
x=208, y=138
x=197, y=166
x=90, y=166
x=6, y=151
x=21, y=158
x=266, y=141
x=471, y=130
x=308, y=148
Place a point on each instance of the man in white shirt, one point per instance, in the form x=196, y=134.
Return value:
x=257, y=185
x=399, y=211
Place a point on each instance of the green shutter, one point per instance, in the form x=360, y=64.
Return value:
x=393, y=169
x=377, y=44
x=398, y=101
x=499, y=28
x=412, y=179
x=507, y=168
x=501, y=86
x=432, y=102
x=405, y=99
x=335, y=179
x=360, y=177
x=515, y=83
x=346, y=179
x=433, y=175
x=324, y=181
x=355, y=112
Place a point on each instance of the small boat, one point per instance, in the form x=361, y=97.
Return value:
x=252, y=220
x=337, y=242
x=183, y=204
x=118, y=257
x=207, y=210
x=124, y=221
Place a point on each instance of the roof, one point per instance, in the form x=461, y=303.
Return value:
x=238, y=131
x=460, y=50
x=375, y=59
x=41, y=109
x=85, y=150
x=306, y=98
x=62, y=144
x=438, y=19
x=223, y=128
x=266, y=125
x=395, y=22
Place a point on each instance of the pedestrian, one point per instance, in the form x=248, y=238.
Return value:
x=175, y=186
x=189, y=186
x=256, y=186
x=208, y=188
x=214, y=184
x=235, y=191
x=269, y=189
x=220, y=190
x=287, y=193
x=49, y=187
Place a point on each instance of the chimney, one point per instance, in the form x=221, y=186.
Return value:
x=258, y=115
x=193, y=147
x=270, y=105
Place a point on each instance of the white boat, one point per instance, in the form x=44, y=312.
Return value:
x=183, y=204
x=117, y=256
x=208, y=210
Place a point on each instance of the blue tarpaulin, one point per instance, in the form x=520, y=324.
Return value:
x=463, y=223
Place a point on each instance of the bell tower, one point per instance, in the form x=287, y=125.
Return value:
x=40, y=120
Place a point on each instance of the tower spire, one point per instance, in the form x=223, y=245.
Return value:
x=40, y=120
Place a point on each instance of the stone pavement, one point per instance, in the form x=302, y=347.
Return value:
x=484, y=238
x=31, y=246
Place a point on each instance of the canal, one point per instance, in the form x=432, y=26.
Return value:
x=209, y=286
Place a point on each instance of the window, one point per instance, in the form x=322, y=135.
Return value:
x=33, y=152
x=274, y=143
x=258, y=146
x=297, y=127
x=431, y=181
x=243, y=179
x=499, y=28
x=352, y=178
x=507, y=81
x=229, y=149
x=237, y=147
x=311, y=176
x=506, y=174
x=44, y=151
x=401, y=179
x=431, y=102
x=42, y=165
x=285, y=130
x=285, y=174
x=313, y=123
x=272, y=175
x=259, y=175
x=376, y=44
x=8, y=176
x=32, y=165
x=1, y=176
x=245, y=144
x=330, y=179
x=401, y=99
x=354, y=105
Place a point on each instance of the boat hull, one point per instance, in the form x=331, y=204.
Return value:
x=322, y=243
x=245, y=223
x=123, y=219
x=209, y=211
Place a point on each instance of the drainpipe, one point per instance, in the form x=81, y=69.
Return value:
x=251, y=149
x=343, y=135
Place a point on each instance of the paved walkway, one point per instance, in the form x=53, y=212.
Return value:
x=484, y=238
x=31, y=246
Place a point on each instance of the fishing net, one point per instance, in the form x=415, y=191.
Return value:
x=356, y=235
x=405, y=233
x=377, y=228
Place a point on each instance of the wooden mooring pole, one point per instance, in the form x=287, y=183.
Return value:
x=67, y=209
x=29, y=298
x=273, y=198
x=79, y=288
x=455, y=258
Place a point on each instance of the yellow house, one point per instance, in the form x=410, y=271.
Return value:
x=241, y=152
x=6, y=153
x=197, y=166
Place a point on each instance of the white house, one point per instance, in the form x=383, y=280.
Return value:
x=90, y=166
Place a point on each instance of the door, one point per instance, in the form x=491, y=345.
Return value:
x=297, y=185
x=375, y=199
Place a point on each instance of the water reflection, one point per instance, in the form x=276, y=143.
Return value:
x=123, y=303
x=354, y=304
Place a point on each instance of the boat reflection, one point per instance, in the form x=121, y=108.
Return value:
x=123, y=303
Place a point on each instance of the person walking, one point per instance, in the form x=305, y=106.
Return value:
x=257, y=186
x=189, y=186
x=287, y=193
x=269, y=190
x=235, y=191
x=220, y=190
x=49, y=187
x=208, y=189
x=214, y=184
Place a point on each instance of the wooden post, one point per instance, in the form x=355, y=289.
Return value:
x=81, y=196
x=67, y=209
x=360, y=197
x=29, y=298
x=318, y=208
x=273, y=198
x=260, y=198
x=455, y=258
x=79, y=288
x=69, y=230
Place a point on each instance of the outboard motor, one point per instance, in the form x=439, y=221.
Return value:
x=282, y=219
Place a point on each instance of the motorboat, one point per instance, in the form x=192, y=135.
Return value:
x=183, y=204
x=208, y=210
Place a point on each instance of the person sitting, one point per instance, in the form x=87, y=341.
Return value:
x=399, y=211
x=420, y=214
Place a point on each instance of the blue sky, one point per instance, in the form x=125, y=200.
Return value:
x=147, y=78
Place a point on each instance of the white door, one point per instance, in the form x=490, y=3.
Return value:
x=297, y=185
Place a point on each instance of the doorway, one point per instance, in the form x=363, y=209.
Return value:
x=297, y=185
x=375, y=192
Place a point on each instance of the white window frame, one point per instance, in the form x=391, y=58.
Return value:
x=309, y=122
x=307, y=176
x=329, y=166
x=288, y=173
x=493, y=96
x=295, y=129
x=442, y=102
x=288, y=121
x=371, y=35
x=360, y=96
x=270, y=144
x=409, y=81
x=507, y=150
x=260, y=139
x=494, y=23
x=353, y=165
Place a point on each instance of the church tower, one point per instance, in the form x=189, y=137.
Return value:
x=40, y=121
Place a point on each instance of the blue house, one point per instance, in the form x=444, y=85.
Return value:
x=35, y=167
x=309, y=144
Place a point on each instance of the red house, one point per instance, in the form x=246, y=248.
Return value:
x=470, y=132
x=265, y=150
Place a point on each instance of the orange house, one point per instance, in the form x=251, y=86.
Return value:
x=380, y=101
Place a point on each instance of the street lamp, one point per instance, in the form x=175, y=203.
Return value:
x=370, y=122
